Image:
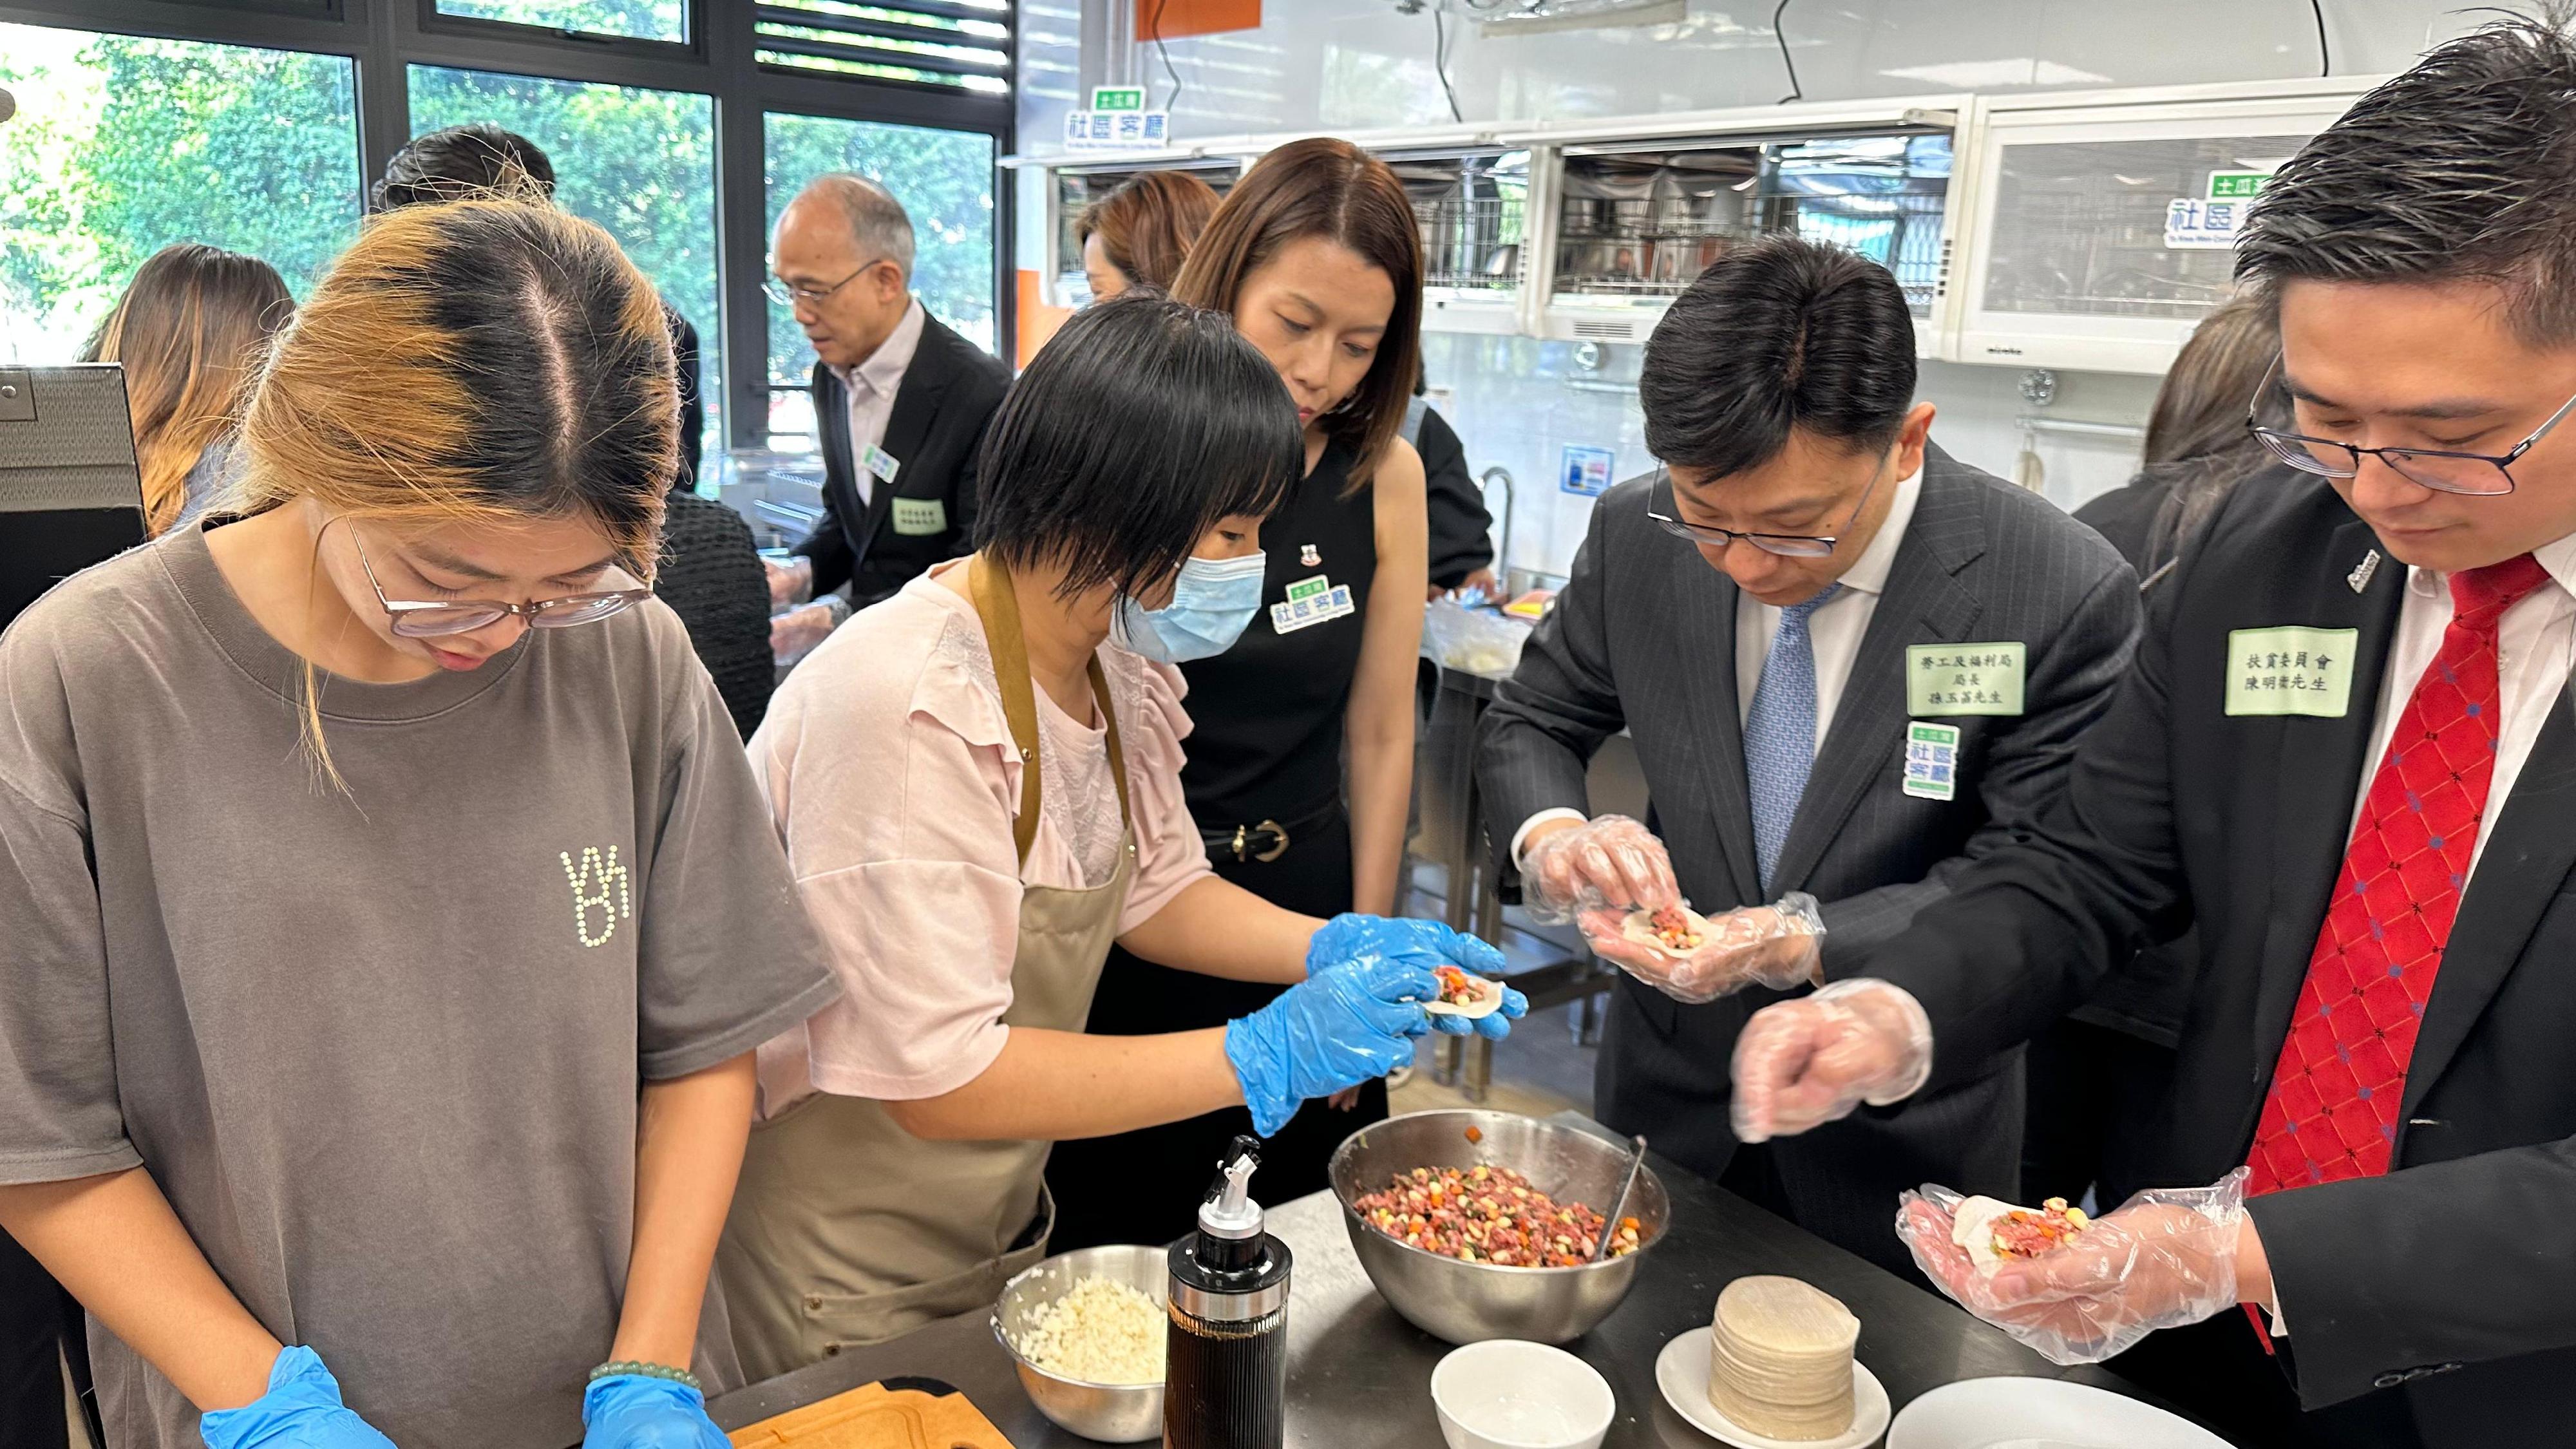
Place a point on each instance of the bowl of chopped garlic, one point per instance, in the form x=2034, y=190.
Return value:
x=1085, y=1330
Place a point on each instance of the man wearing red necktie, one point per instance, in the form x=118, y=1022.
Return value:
x=2346, y=754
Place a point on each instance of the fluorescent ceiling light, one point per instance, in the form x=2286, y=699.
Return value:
x=1979, y=75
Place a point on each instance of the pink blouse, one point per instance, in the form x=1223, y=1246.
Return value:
x=889, y=767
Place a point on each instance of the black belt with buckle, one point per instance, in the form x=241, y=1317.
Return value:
x=1267, y=840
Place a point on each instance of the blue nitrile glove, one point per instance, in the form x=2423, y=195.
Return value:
x=1338, y=1029
x=301, y=1410
x=1348, y=939
x=631, y=1411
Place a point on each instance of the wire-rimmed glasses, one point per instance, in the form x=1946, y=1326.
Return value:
x=432, y=619
x=779, y=291
x=2444, y=470
x=1787, y=545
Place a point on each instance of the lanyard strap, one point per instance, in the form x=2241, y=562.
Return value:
x=999, y=608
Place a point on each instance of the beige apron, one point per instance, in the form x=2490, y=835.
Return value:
x=846, y=1229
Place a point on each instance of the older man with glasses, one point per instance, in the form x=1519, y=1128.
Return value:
x=900, y=406
x=1850, y=664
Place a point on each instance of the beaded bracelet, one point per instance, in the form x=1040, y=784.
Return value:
x=648, y=1371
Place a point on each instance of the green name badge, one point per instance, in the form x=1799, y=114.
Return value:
x=1931, y=760
x=915, y=517
x=1952, y=679
x=2290, y=671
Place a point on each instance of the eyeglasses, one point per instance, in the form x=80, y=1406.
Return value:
x=2440, y=469
x=431, y=620
x=1788, y=545
x=784, y=295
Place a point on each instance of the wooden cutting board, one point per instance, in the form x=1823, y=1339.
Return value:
x=905, y=1413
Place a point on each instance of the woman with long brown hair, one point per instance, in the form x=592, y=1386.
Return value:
x=1315, y=255
x=392, y=912
x=1139, y=234
x=190, y=332
x=2197, y=445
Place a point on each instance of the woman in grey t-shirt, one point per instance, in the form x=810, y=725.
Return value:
x=391, y=914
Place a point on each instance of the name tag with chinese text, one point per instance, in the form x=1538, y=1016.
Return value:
x=2290, y=671
x=1951, y=679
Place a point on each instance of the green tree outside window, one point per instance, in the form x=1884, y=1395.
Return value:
x=125, y=144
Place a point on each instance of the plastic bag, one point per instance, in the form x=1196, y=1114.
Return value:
x=1478, y=641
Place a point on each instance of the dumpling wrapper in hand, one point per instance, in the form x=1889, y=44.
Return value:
x=1995, y=1232
x=1483, y=996
x=1674, y=930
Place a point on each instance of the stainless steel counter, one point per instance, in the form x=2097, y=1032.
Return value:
x=1359, y=1376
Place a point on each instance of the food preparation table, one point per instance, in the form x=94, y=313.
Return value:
x=1359, y=1376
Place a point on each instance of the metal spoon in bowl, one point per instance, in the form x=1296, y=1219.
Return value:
x=1610, y=1224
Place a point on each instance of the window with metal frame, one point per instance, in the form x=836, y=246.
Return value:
x=958, y=45
x=269, y=151
x=125, y=144
x=663, y=20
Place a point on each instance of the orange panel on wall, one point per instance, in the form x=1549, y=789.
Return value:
x=1177, y=18
x=1037, y=321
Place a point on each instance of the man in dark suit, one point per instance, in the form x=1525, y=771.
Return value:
x=900, y=404
x=1850, y=664
x=2346, y=753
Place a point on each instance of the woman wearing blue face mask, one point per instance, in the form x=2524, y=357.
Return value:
x=1301, y=766
x=978, y=783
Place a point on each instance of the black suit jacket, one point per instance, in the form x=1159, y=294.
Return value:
x=946, y=398
x=1643, y=637
x=2453, y=1278
x=1461, y=531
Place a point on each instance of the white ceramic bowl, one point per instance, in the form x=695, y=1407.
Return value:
x=1505, y=1393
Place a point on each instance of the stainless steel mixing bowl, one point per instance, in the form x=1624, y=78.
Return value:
x=1470, y=1302
x=1113, y=1413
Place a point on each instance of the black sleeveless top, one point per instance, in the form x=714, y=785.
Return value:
x=1266, y=715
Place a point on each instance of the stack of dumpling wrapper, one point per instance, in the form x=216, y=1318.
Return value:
x=1780, y=1359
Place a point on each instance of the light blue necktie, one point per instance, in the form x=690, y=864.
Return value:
x=1780, y=732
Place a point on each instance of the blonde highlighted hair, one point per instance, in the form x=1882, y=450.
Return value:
x=190, y=332
x=479, y=362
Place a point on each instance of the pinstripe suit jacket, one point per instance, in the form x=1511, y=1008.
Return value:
x=1643, y=637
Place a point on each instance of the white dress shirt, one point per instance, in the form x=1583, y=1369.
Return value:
x=1834, y=631
x=2534, y=648
x=871, y=386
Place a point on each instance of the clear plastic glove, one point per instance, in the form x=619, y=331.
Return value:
x=1776, y=946
x=1335, y=1029
x=1803, y=1063
x=794, y=634
x=1608, y=863
x=2165, y=1259
x=301, y=1410
x=631, y=1411
x=791, y=582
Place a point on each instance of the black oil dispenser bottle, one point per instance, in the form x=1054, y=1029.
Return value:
x=1226, y=1373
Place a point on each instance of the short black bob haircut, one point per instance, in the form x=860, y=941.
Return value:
x=1138, y=426
x=1782, y=334
x=2461, y=169
x=453, y=163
